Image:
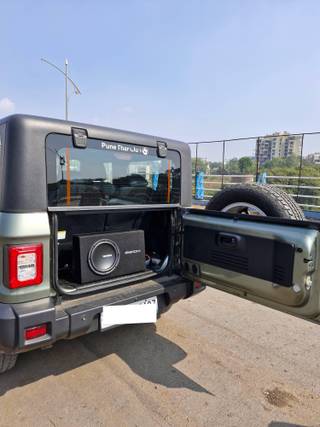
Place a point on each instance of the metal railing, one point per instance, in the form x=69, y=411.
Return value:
x=288, y=161
x=210, y=191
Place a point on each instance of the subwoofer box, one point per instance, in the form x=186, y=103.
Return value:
x=107, y=255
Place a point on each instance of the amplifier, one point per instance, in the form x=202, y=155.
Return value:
x=107, y=255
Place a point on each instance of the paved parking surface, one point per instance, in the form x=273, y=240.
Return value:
x=213, y=360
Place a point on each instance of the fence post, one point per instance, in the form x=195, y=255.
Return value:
x=300, y=168
x=196, y=171
x=223, y=159
x=257, y=159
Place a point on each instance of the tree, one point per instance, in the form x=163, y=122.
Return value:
x=246, y=165
x=206, y=166
x=201, y=164
x=232, y=167
x=289, y=168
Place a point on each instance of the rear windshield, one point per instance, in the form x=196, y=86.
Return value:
x=109, y=173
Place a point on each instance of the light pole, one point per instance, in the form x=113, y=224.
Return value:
x=66, y=86
x=67, y=79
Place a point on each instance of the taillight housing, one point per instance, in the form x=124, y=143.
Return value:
x=25, y=265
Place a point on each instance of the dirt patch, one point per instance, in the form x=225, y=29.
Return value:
x=279, y=398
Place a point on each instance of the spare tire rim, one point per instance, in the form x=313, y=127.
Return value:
x=243, y=208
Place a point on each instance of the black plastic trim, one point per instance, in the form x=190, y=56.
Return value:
x=267, y=259
x=98, y=209
x=77, y=316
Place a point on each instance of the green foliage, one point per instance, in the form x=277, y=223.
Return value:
x=286, y=167
x=290, y=167
x=232, y=167
x=207, y=167
x=200, y=163
x=246, y=165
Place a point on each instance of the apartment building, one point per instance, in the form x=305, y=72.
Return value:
x=278, y=145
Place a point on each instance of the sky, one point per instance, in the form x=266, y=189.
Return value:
x=185, y=69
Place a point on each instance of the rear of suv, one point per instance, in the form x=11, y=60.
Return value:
x=90, y=218
x=96, y=230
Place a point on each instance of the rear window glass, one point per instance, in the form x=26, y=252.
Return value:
x=109, y=173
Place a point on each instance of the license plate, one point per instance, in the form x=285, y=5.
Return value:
x=144, y=311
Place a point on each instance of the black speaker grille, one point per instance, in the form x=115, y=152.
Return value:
x=103, y=256
x=229, y=261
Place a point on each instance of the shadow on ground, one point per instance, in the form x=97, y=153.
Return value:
x=282, y=424
x=148, y=354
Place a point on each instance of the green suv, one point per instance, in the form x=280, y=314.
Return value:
x=96, y=230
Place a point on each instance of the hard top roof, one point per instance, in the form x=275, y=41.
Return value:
x=49, y=125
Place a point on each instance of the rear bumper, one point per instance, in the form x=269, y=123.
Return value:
x=75, y=317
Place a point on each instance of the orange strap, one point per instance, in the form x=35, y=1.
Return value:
x=68, y=177
x=169, y=182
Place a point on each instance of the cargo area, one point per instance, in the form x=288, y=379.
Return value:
x=150, y=233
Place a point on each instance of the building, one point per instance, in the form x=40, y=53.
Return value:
x=278, y=145
x=314, y=158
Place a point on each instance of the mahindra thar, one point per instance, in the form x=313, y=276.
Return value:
x=97, y=230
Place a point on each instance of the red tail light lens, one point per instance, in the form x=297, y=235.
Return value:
x=35, y=332
x=25, y=265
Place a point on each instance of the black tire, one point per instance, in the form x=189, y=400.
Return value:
x=269, y=199
x=7, y=361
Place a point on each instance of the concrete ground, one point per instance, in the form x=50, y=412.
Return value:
x=213, y=360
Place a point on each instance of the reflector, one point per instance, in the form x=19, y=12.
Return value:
x=35, y=332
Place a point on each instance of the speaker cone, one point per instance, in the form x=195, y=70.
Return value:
x=103, y=257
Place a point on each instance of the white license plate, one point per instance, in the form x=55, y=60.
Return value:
x=144, y=311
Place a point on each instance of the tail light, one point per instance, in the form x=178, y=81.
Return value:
x=25, y=265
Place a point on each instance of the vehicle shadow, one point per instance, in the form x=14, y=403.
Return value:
x=283, y=424
x=148, y=354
